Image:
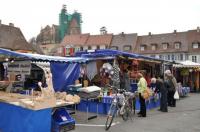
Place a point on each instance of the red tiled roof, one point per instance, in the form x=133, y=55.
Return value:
x=78, y=40
x=99, y=39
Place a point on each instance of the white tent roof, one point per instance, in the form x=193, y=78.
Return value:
x=187, y=64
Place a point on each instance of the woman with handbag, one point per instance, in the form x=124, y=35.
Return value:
x=142, y=86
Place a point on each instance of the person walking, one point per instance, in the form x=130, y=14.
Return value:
x=171, y=85
x=162, y=89
x=142, y=86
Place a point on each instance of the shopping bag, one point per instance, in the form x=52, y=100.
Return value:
x=146, y=93
x=176, y=95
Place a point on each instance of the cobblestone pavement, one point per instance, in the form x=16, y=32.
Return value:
x=183, y=118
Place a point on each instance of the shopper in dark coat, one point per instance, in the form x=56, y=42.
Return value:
x=171, y=84
x=162, y=89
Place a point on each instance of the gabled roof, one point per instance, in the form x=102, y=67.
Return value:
x=99, y=40
x=13, y=39
x=159, y=39
x=124, y=39
x=78, y=40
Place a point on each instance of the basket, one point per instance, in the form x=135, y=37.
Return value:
x=62, y=121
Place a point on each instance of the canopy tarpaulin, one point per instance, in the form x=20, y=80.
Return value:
x=64, y=74
x=38, y=57
x=90, y=54
x=187, y=64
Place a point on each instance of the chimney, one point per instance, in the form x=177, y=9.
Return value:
x=149, y=33
x=103, y=30
x=11, y=24
x=175, y=32
x=198, y=29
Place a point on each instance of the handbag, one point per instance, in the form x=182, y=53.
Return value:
x=176, y=95
x=146, y=93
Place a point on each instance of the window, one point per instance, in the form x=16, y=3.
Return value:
x=114, y=47
x=81, y=48
x=181, y=57
x=85, y=47
x=67, y=52
x=60, y=50
x=94, y=47
x=173, y=58
x=142, y=47
x=186, y=57
x=153, y=56
x=195, y=45
x=89, y=47
x=127, y=48
x=98, y=47
x=165, y=46
x=161, y=56
x=177, y=45
x=103, y=46
x=153, y=46
x=194, y=58
x=168, y=57
x=77, y=49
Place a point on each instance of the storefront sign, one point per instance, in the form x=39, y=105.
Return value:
x=19, y=67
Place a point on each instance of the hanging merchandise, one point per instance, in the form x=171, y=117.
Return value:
x=91, y=70
x=184, y=72
x=115, y=77
x=107, y=67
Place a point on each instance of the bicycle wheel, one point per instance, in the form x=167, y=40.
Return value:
x=110, y=116
x=126, y=113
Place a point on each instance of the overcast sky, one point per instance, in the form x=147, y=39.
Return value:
x=129, y=16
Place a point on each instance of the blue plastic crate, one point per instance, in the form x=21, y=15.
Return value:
x=62, y=121
x=107, y=99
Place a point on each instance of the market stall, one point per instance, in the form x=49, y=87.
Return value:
x=101, y=68
x=32, y=109
x=187, y=74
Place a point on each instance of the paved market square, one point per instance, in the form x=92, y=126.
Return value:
x=183, y=118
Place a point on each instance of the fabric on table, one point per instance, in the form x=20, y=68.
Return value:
x=18, y=119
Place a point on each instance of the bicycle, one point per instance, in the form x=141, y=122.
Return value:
x=120, y=104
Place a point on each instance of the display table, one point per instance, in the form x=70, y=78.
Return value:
x=183, y=91
x=105, y=102
x=18, y=119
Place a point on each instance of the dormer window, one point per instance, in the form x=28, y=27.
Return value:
x=127, y=48
x=165, y=46
x=142, y=47
x=153, y=46
x=195, y=45
x=177, y=45
x=114, y=47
